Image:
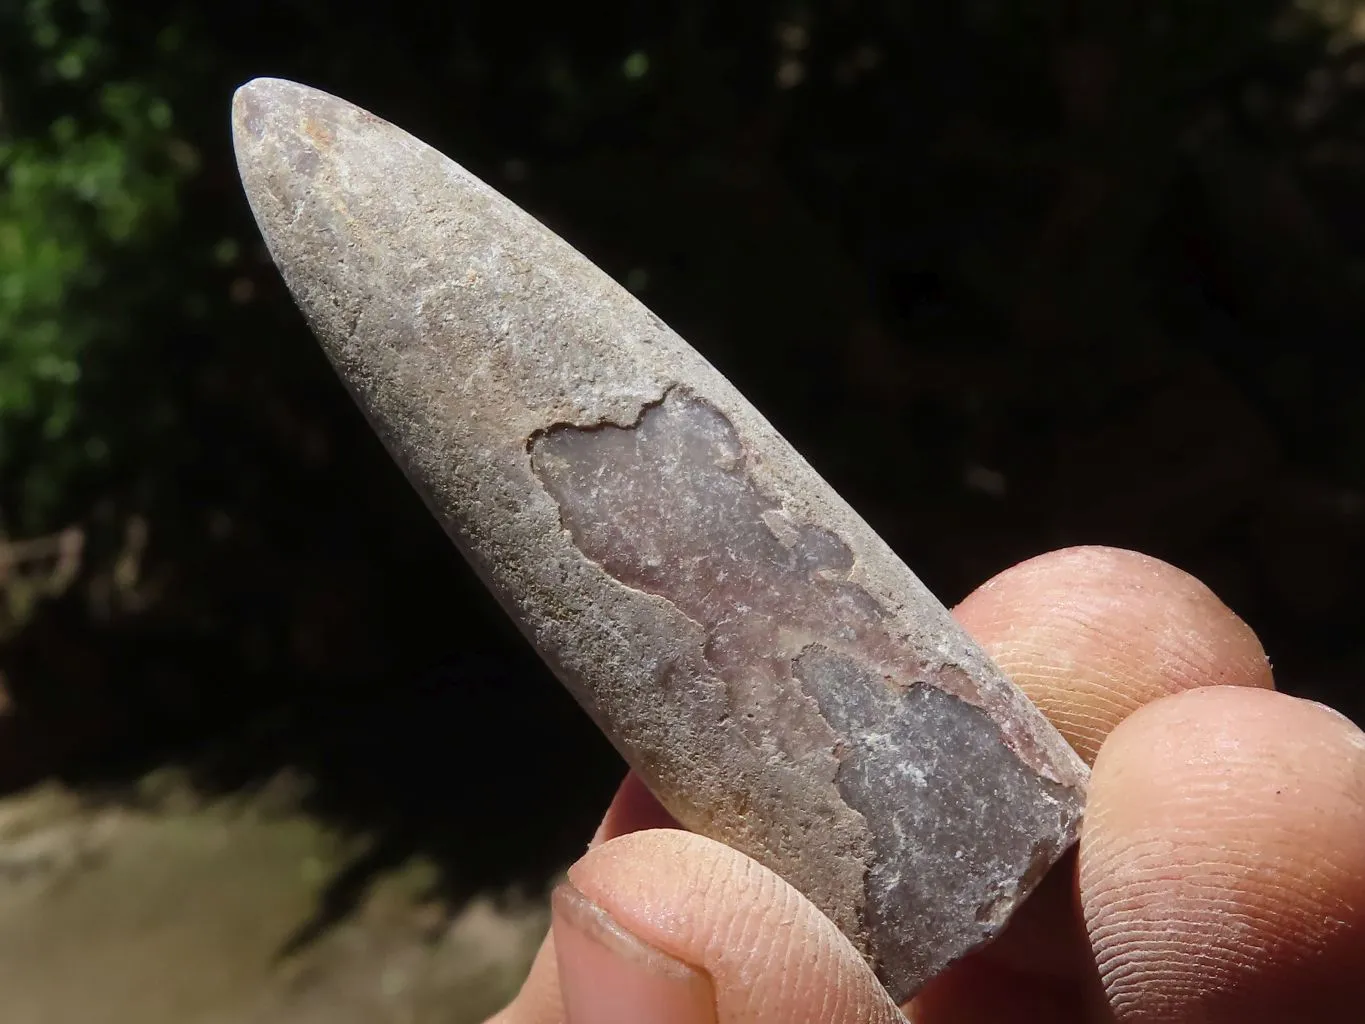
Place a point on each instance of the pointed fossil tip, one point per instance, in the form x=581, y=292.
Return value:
x=275, y=106
x=253, y=103
x=282, y=136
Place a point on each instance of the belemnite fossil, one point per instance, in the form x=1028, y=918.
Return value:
x=774, y=673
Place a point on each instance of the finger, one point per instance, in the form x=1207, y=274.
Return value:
x=1089, y=634
x=632, y=809
x=1223, y=862
x=1092, y=633
x=609, y=976
x=678, y=908
x=539, y=1001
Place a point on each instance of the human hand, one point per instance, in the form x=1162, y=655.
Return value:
x=1220, y=875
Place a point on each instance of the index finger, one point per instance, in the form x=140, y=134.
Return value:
x=1091, y=634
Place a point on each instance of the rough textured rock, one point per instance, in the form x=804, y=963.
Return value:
x=773, y=671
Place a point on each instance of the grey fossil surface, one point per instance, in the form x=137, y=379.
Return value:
x=776, y=675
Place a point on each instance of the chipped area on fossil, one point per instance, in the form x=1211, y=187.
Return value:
x=960, y=842
x=667, y=507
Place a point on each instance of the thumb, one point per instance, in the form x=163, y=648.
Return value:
x=609, y=976
x=668, y=927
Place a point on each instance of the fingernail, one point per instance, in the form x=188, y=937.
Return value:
x=608, y=976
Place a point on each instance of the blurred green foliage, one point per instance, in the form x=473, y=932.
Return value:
x=83, y=191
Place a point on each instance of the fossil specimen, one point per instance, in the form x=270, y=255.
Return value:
x=770, y=668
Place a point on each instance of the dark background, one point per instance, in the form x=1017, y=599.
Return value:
x=1012, y=275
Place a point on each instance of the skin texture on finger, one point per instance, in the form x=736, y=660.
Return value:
x=609, y=976
x=1223, y=862
x=772, y=957
x=1091, y=634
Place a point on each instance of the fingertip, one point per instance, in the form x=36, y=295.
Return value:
x=769, y=952
x=608, y=975
x=1092, y=633
x=1223, y=860
x=540, y=1000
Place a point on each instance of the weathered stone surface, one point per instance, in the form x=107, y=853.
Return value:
x=772, y=670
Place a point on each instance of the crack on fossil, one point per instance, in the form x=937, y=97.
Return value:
x=602, y=423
